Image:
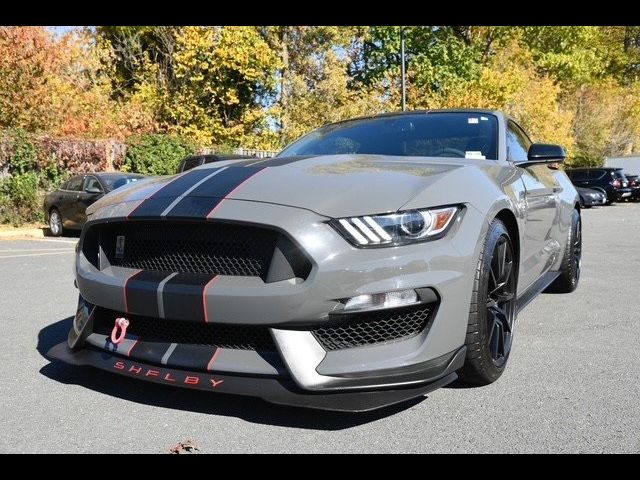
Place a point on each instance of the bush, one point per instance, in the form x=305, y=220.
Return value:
x=155, y=154
x=20, y=199
x=24, y=157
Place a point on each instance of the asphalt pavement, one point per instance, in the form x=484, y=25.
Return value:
x=572, y=384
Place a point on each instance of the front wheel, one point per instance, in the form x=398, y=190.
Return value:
x=493, y=309
x=55, y=223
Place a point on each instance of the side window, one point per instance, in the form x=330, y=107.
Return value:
x=75, y=184
x=596, y=174
x=92, y=183
x=517, y=144
x=64, y=186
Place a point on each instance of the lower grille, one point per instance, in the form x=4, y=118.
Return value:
x=236, y=337
x=370, y=328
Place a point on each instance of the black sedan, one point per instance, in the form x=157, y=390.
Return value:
x=590, y=197
x=65, y=208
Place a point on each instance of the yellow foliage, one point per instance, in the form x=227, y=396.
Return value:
x=511, y=83
x=330, y=100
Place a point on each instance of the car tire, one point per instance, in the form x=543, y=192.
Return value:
x=55, y=223
x=490, y=325
x=569, y=277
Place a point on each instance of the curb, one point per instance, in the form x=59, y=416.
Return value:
x=21, y=233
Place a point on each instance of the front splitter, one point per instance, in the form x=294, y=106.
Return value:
x=273, y=390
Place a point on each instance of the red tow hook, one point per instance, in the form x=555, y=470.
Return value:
x=122, y=324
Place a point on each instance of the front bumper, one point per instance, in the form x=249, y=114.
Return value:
x=591, y=201
x=274, y=390
x=291, y=309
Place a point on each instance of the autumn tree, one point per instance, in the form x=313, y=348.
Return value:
x=54, y=85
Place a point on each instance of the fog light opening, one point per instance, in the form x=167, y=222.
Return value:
x=375, y=301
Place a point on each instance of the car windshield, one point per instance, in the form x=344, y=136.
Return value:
x=434, y=134
x=116, y=182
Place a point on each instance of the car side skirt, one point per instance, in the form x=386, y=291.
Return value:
x=536, y=289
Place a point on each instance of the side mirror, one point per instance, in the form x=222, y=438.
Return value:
x=93, y=190
x=544, y=153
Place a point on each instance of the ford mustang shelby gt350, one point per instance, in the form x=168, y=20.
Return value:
x=370, y=262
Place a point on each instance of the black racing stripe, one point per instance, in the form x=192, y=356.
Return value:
x=182, y=297
x=149, y=351
x=207, y=196
x=159, y=201
x=196, y=357
x=142, y=293
x=280, y=161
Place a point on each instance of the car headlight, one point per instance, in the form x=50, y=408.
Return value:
x=398, y=228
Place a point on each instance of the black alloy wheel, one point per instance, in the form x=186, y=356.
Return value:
x=501, y=301
x=493, y=309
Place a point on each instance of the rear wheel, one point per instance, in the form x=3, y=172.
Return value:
x=493, y=310
x=569, y=277
x=55, y=223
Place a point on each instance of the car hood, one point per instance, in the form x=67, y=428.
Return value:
x=331, y=185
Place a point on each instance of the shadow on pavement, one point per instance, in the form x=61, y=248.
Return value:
x=250, y=409
x=65, y=234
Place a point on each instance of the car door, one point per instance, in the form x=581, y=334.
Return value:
x=91, y=191
x=541, y=196
x=582, y=178
x=69, y=198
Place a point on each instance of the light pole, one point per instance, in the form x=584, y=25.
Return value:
x=402, y=61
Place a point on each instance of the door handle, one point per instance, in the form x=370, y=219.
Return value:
x=557, y=189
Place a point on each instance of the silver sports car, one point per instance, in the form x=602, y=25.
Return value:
x=370, y=262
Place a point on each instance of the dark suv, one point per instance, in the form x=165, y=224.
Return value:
x=634, y=185
x=608, y=180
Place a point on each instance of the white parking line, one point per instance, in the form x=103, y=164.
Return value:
x=67, y=252
x=35, y=250
x=54, y=240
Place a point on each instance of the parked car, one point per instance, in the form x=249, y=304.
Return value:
x=196, y=160
x=372, y=261
x=590, y=197
x=65, y=208
x=608, y=180
x=634, y=184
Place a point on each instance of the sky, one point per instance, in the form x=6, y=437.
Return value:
x=58, y=30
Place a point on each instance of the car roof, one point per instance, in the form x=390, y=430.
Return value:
x=418, y=112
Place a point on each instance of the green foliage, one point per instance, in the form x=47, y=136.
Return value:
x=156, y=154
x=52, y=174
x=21, y=199
x=24, y=156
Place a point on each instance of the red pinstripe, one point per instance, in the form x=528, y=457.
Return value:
x=213, y=358
x=126, y=282
x=235, y=190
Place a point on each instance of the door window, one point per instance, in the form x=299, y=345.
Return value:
x=75, y=184
x=92, y=183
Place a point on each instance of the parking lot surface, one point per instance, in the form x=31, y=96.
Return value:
x=572, y=384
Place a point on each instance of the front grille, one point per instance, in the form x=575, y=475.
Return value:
x=370, y=328
x=217, y=248
x=212, y=248
x=236, y=337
